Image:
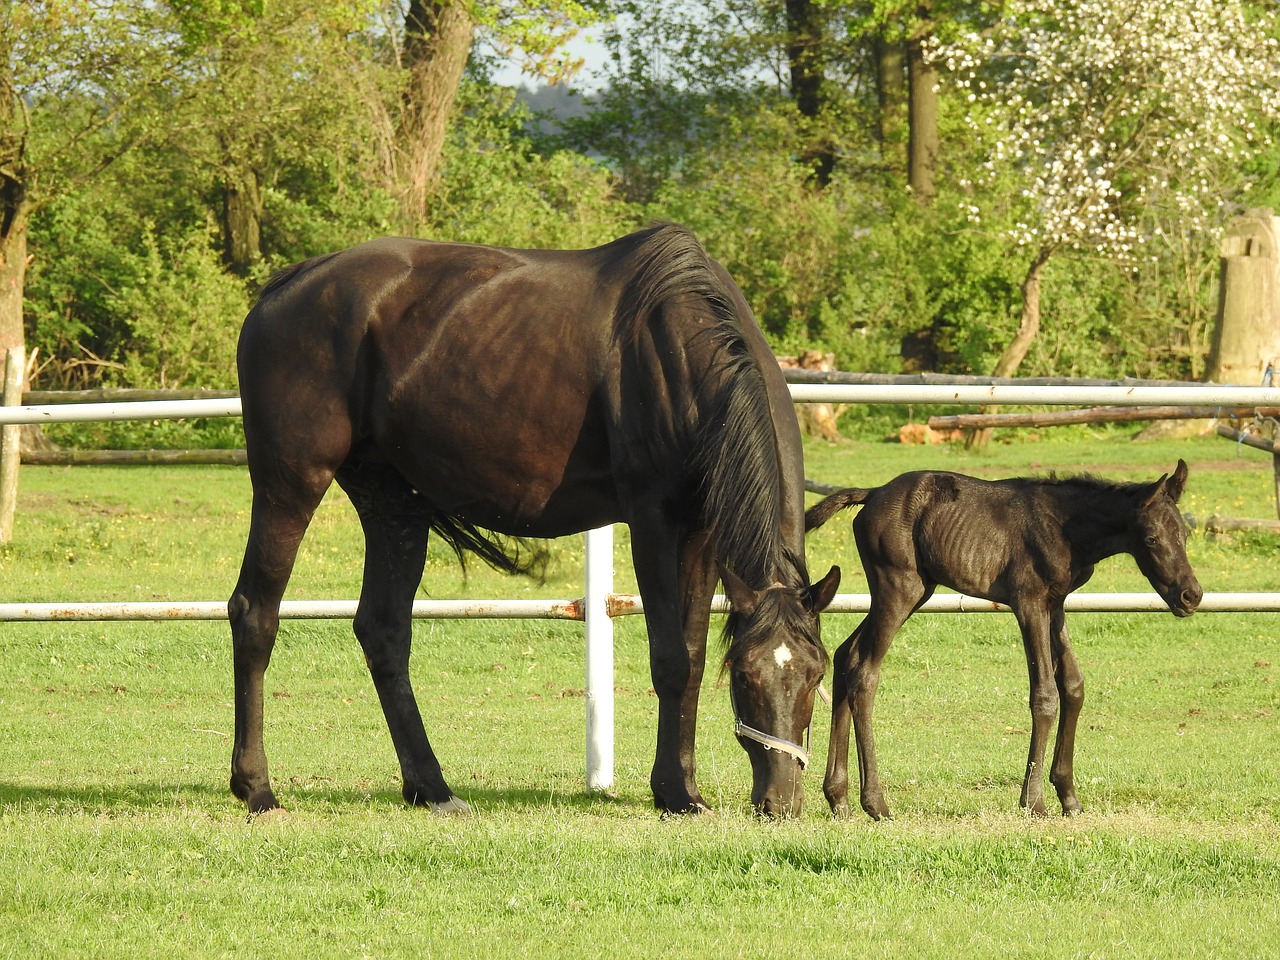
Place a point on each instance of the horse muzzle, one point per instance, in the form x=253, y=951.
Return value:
x=1184, y=602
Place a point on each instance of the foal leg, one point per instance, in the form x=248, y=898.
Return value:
x=835, y=785
x=1071, y=693
x=279, y=517
x=1035, y=624
x=396, y=521
x=895, y=596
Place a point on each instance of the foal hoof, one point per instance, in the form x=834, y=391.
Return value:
x=453, y=807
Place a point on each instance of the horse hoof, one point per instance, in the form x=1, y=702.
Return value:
x=262, y=801
x=453, y=807
x=693, y=808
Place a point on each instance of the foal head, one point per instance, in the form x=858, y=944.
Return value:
x=775, y=663
x=1158, y=541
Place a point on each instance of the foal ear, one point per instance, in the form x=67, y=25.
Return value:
x=1178, y=482
x=1171, y=486
x=820, y=594
x=741, y=597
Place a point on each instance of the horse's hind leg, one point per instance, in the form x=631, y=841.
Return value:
x=279, y=519
x=396, y=522
x=1071, y=694
x=835, y=785
x=895, y=596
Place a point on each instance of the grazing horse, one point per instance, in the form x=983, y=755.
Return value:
x=1021, y=542
x=490, y=395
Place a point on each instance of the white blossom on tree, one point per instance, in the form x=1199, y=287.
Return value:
x=1101, y=108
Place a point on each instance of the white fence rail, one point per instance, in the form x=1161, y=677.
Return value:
x=599, y=604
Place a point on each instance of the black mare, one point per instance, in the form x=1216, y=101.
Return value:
x=1025, y=543
x=490, y=395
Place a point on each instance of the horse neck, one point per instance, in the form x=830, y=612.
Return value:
x=1098, y=522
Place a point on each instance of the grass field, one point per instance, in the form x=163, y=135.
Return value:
x=119, y=838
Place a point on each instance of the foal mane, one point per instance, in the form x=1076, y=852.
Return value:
x=1091, y=483
x=734, y=452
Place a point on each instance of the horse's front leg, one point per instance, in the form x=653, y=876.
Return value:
x=1070, y=683
x=1035, y=623
x=676, y=577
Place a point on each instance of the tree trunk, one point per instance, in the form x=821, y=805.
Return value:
x=1029, y=324
x=922, y=117
x=805, y=58
x=437, y=43
x=241, y=219
x=891, y=86
x=13, y=273
x=14, y=202
x=1018, y=347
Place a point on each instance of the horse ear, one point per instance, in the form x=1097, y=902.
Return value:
x=741, y=597
x=1170, y=486
x=820, y=595
x=1178, y=482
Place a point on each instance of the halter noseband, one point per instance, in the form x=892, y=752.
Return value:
x=768, y=740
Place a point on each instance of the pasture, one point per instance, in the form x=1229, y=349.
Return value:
x=119, y=837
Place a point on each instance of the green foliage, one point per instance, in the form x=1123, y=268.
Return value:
x=185, y=316
x=498, y=189
x=128, y=284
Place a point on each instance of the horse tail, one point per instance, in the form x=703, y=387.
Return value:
x=825, y=509
x=504, y=554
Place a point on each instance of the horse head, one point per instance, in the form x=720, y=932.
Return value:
x=1159, y=544
x=776, y=663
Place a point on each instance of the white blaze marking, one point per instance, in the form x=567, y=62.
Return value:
x=782, y=655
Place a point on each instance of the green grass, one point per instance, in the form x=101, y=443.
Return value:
x=118, y=836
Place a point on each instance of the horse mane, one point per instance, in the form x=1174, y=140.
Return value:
x=1090, y=482
x=734, y=449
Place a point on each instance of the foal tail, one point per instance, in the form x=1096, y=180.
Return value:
x=825, y=509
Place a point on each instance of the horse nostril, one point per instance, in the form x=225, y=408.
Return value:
x=1192, y=596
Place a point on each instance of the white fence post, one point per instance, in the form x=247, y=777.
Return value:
x=599, y=692
x=10, y=440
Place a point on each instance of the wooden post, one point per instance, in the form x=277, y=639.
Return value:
x=10, y=441
x=1246, y=339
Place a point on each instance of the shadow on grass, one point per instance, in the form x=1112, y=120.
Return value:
x=141, y=798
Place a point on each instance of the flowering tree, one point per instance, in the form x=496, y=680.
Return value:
x=1101, y=109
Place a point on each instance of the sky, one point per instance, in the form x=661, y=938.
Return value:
x=585, y=45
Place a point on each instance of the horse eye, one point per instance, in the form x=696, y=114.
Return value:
x=1151, y=541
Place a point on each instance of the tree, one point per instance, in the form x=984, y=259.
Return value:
x=1093, y=112
x=437, y=40
x=56, y=129
x=265, y=87
x=807, y=48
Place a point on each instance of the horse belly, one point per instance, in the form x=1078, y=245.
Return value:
x=966, y=559
x=513, y=472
